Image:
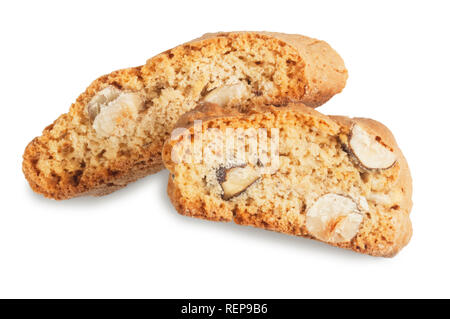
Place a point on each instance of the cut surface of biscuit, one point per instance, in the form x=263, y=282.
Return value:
x=114, y=132
x=309, y=184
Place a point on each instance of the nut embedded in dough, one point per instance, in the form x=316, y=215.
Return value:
x=100, y=99
x=226, y=94
x=370, y=152
x=333, y=218
x=113, y=112
x=236, y=180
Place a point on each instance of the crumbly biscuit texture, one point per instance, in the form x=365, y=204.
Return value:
x=114, y=132
x=322, y=186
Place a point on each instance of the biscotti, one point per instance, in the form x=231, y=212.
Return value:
x=114, y=132
x=291, y=169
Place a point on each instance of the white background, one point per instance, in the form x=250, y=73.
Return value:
x=133, y=243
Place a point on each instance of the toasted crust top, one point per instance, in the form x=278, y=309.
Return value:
x=324, y=68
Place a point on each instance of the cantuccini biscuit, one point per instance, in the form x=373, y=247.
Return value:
x=340, y=180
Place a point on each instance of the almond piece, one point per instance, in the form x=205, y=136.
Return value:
x=369, y=152
x=333, y=218
x=234, y=181
x=113, y=112
x=226, y=94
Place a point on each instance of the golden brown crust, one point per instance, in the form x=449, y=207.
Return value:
x=62, y=178
x=209, y=111
x=325, y=71
x=381, y=236
x=103, y=182
x=401, y=221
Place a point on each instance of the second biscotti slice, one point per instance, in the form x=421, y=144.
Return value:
x=114, y=132
x=294, y=170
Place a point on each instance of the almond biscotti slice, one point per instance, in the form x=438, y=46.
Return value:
x=293, y=170
x=114, y=132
